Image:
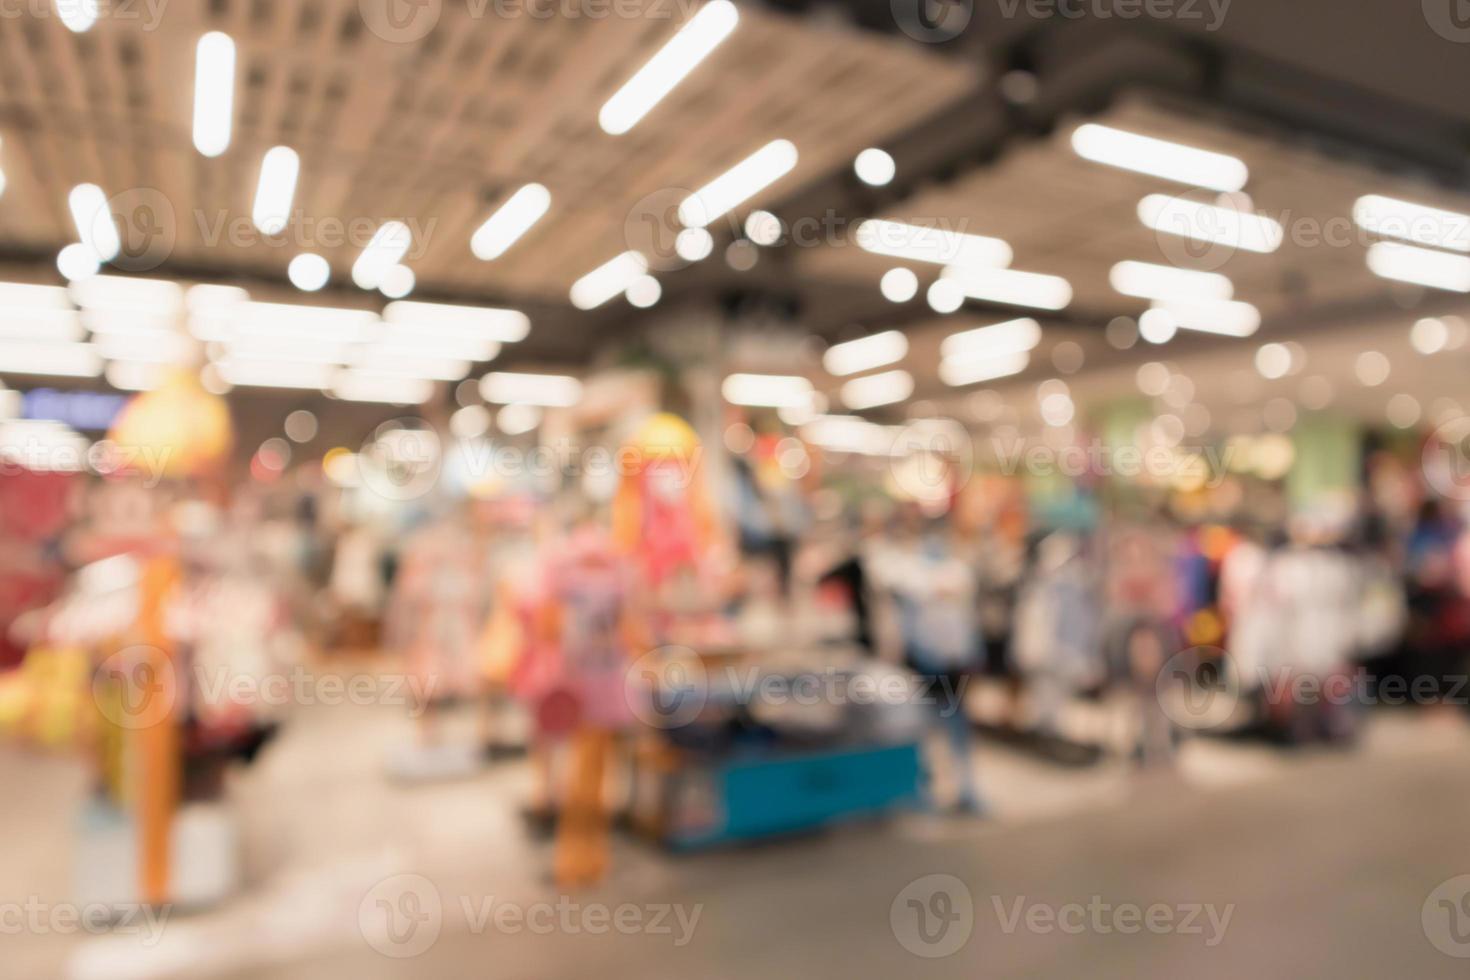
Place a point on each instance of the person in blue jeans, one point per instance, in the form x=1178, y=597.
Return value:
x=937, y=598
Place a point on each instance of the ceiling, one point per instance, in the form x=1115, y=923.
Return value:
x=436, y=131
x=436, y=121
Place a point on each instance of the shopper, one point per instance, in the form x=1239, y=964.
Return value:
x=937, y=597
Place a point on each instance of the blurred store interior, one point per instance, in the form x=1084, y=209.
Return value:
x=849, y=489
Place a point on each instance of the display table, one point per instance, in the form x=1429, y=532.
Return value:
x=743, y=772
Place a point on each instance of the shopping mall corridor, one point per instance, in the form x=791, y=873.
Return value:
x=1316, y=864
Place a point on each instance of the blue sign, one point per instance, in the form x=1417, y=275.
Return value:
x=83, y=410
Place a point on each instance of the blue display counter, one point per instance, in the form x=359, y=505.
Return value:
x=748, y=798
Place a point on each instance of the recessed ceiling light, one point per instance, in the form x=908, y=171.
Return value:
x=694, y=244
x=1157, y=326
x=77, y=261
x=763, y=228
x=899, y=285
x=945, y=296
x=644, y=291
x=396, y=282
x=309, y=272
x=874, y=167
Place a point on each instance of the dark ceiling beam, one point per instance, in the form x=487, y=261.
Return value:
x=1075, y=67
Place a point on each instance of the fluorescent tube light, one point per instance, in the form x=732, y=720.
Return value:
x=279, y=169
x=866, y=353
x=676, y=59
x=62, y=359
x=551, y=390
x=1163, y=282
x=510, y=221
x=388, y=362
x=360, y=386
x=39, y=324
x=958, y=372
x=1010, y=337
x=214, y=93
x=610, y=279
x=1229, y=319
x=1208, y=223
x=275, y=373
x=849, y=434
x=873, y=390
x=1159, y=158
x=1408, y=263
x=135, y=375
x=207, y=296
x=159, y=297
x=384, y=250
x=92, y=215
x=918, y=243
x=767, y=390
x=1413, y=222
x=738, y=184
x=78, y=16
x=1011, y=287
x=23, y=295
x=488, y=322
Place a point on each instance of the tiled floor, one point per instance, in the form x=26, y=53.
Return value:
x=1325, y=859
